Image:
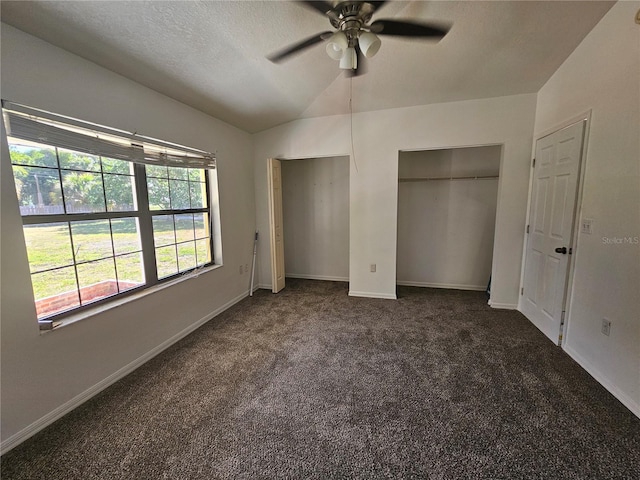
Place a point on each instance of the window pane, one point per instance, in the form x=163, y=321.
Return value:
x=198, y=195
x=126, y=236
x=130, y=271
x=156, y=171
x=91, y=240
x=201, y=222
x=203, y=251
x=178, y=173
x=158, y=194
x=97, y=280
x=79, y=256
x=27, y=153
x=163, y=232
x=119, y=190
x=48, y=246
x=55, y=291
x=196, y=174
x=166, y=261
x=83, y=192
x=38, y=190
x=78, y=161
x=186, y=256
x=179, y=194
x=112, y=165
x=184, y=227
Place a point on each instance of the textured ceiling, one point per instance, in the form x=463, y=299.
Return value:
x=211, y=54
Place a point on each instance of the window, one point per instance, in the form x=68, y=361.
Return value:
x=180, y=218
x=115, y=214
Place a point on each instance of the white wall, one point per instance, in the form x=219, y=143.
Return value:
x=315, y=198
x=43, y=375
x=373, y=185
x=603, y=76
x=446, y=227
x=450, y=162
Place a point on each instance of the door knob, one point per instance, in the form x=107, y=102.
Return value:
x=562, y=250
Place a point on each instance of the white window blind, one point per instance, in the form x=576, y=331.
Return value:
x=39, y=126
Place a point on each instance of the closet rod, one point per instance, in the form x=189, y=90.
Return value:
x=425, y=179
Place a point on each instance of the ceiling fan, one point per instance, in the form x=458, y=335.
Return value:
x=355, y=38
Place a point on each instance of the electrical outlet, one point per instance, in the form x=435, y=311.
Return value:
x=372, y=268
x=240, y=269
x=606, y=327
x=246, y=267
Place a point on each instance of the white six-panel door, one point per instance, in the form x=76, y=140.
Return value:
x=553, y=205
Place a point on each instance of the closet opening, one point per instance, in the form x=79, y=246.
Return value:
x=315, y=218
x=447, y=202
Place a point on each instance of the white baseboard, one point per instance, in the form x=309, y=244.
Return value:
x=503, y=306
x=255, y=289
x=27, y=432
x=386, y=296
x=452, y=286
x=626, y=400
x=317, y=277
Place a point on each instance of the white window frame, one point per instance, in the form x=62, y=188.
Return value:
x=48, y=129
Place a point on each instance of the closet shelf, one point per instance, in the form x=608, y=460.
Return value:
x=428, y=179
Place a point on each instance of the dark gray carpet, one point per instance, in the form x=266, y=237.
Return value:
x=311, y=383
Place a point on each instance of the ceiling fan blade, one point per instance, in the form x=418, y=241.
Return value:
x=408, y=29
x=319, y=6
x=297, y=47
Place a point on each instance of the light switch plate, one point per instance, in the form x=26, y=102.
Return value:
x=586, y=226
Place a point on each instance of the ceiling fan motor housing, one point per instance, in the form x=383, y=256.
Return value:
x=350, y=17
x=356, y=36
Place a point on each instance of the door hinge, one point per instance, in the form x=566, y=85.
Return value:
x=527, y=228
x=522, y=291
x=534, y=163
x=570, y=250
x=562, y=319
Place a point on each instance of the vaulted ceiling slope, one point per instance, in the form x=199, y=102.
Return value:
x=211, y=54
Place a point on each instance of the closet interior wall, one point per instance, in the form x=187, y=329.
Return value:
x=315, y=211
x=446, y=216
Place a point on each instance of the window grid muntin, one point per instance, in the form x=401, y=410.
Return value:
x=192, y=211
x=76, y=264
x=62, y=169
x=140, y=197
x=194, y=240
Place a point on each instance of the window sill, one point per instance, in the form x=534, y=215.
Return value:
x=118, y=302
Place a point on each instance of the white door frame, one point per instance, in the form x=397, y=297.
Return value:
x=568, y=292
x=273, y=255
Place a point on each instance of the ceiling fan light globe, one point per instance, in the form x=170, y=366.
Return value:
x=337, y=44
x=369, y=44
x=334, y=51
x=349, y=60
